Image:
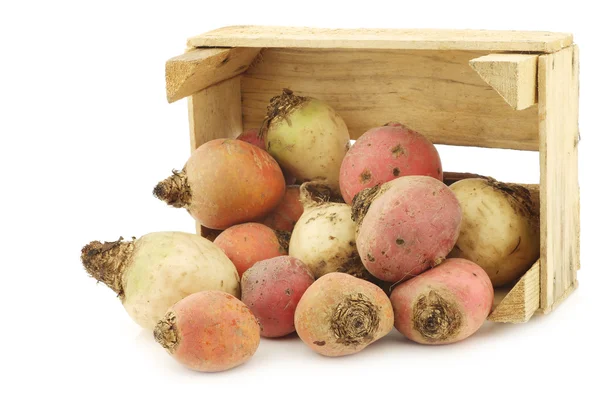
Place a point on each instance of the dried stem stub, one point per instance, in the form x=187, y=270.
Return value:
x=524, y=200
x=283, y=237
x=107, y=261
x=280, y=107
x=436, y=318
x=317, y=192
x=355, y=320
x=362, y=202
x=166, y=332
x=174, y=190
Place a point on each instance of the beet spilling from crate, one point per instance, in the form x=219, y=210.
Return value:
x=495, y=89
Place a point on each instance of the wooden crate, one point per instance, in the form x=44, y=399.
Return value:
x=502, y=89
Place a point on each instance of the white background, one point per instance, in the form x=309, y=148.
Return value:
x=86, y=132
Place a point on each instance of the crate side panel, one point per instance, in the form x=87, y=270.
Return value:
x=559, y=187
x=434, y=92
x=522, y=301
x=427, y=39
x=215, y=112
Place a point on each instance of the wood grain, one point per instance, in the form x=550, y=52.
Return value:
x=559, y=187
x=215, y=112
x=197, y=69
x=522, y=301
x=404, y=39
x=435, y=92
x=513, y=76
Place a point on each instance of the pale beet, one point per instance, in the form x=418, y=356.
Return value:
x=225, y=182
x=405, y=226
x=500, y=229
x=287, y=213
x=248, y=243
x=272, y=289
x=209, y=331
x=324, y=237
x=340, y=315
x=443, y=305
x=306, y=136
x=153, y=272
x=385, y=153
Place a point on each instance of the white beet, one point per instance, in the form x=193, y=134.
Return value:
x=307, y=137
x=324, y=237
x=500, y=228
x=152, y=273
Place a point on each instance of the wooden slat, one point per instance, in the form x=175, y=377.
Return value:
x=522, y=301
x=513, y=76
x=405, y=39
x=197, y=69
x=215, y=112
x=434, y=92
x=559, y=188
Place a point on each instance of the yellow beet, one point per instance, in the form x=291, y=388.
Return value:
x=340, y=314
x=500, y=228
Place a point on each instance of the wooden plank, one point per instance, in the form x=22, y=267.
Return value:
x=513, y=76
x=215, y=112
x=559, y=187
x=522, y=301
x=403, y=39
x=434, y=92
x=197, y=69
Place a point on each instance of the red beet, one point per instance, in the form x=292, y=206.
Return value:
x=272, y=289
x=405, y=226
x=385, y=153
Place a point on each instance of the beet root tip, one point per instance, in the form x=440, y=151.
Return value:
x=166, y=333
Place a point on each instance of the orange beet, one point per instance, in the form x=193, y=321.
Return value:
x=209, y=331
x=249, y=243
x=225, y=182
x=287, y=213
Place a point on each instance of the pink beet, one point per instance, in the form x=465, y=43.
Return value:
x=405, y=226
x=251, y=136
x=272, y=289
x=385, y=153
x=443, y=305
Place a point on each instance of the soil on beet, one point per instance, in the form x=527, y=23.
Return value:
x=280, y=107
